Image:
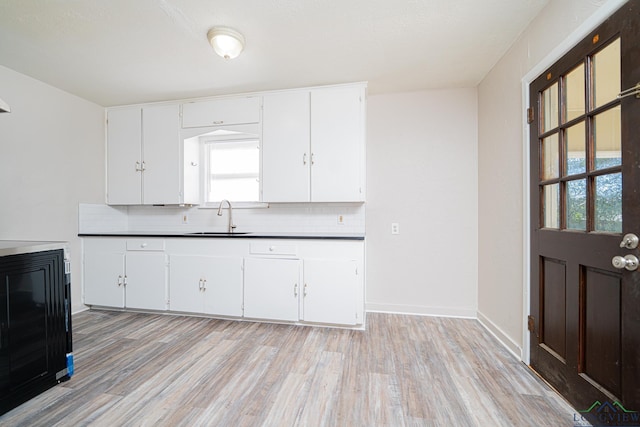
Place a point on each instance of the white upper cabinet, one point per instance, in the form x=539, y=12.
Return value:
x=160, y=154
x=145, y=158
x=124, y=156
x=286, y=155
x=337, y=144
x=313, y=145
x=221, y=112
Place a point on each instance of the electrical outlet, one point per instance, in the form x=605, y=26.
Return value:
x=395, y=228
x=185, y=219
x=340, y=219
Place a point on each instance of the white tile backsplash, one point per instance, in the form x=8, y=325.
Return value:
x=277, y=218
x=101, y=218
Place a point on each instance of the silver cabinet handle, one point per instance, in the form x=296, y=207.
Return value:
x=304, y=159
x=124, y=281
x=144, y=166
x=120, y=280
x=295, y=290
x=312, y=161
x=138, y=167
x=218, y=122
x=305, y=290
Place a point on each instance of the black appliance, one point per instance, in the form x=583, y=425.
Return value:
x=35, y=324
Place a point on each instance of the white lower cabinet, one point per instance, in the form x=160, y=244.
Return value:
x=329, y=292
x=146, y=281
x=285, y=280
x=116, y=277
x=272, y=288
x=206, y=284
x=104, y=278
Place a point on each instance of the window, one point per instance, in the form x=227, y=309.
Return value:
x=232, y=169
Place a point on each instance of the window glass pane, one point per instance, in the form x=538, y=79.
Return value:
x=233, y=170
x=574, y=84
x=606, y=72
x=550, y=108
x=551, y=206
x=237, y=189
x=608, y=203
x=550, y=157
x=607, y=139
x=575, y=146
x=577, y=204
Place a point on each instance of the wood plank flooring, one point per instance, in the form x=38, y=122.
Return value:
x=136, y=369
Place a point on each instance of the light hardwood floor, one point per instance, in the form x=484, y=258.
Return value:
x=156, y=370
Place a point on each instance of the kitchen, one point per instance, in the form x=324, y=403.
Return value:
x=53, y=161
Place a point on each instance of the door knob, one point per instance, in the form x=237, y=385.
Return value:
x=630, y=262
x=629, y=241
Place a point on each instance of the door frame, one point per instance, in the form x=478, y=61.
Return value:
x=582, y=31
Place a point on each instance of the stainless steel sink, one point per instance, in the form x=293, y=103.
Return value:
x=217, y=233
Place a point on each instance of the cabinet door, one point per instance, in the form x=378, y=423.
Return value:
x=186, y=274
x=337, y=145
x=104, y=278
x=329, y=291
x=219, y=112
x=271, y=288
x=161, y=154
x=124, y=157
x=223, y=287
x=146, y=281
x=190, y=185
x=286, y=158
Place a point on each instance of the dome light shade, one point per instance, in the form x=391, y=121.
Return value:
x=227, y=42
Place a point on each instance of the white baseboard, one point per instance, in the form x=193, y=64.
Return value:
x=84, y=308
x=419, y=310
x=502, y=337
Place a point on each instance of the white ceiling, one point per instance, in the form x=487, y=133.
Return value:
x=116, y=52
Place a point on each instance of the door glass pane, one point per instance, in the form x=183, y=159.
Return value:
x=574, y=82
x=606, y=74
x=575, y=146
x=607, y=139
x=577, y=204
x=550, y=157
x=550, y=108
x=551, y=206
x=608, y=203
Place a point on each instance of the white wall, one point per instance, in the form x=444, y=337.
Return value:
x=422, y=173
x=51, y=159
x=500, y=166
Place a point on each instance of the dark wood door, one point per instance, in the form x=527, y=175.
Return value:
x=585, y=196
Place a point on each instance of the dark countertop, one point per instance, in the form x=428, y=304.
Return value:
x=238, y=235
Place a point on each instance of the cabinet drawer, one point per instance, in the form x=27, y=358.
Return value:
x=221, y=112
x=273, y=248
x=145, y=245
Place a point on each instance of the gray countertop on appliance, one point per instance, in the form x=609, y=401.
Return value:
x=258, y=235
x=16, y=247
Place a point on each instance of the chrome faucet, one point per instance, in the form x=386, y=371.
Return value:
x=232, y=226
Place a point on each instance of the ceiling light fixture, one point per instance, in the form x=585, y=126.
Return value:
x=227, y=42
